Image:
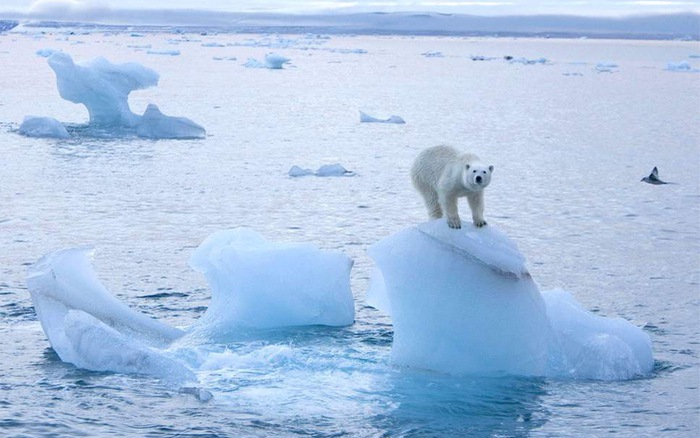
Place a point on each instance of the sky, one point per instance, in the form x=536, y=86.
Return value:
x=58, y=8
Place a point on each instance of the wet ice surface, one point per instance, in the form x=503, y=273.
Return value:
x=569, y=153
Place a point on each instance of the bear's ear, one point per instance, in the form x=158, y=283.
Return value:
x=467, y=167
x=491, y=168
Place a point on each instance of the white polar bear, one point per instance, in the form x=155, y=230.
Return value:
x=442, y=175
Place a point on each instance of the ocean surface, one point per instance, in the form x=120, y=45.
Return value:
x=570, y=137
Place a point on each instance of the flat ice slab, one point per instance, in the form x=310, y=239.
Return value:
x=366, y=118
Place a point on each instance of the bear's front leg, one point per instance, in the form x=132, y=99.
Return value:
x=449, y=206
x=476, y=204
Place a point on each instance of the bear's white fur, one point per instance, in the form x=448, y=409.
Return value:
x=442, y=175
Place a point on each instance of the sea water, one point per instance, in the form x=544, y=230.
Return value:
x=570, y=138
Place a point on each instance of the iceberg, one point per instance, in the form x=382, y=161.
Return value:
x=366, y=118
x=155, y=124
x=104, y=89
x=260, y=284
x=89, y=328
x=46, y=127
x=683, y=66
x=463, y=302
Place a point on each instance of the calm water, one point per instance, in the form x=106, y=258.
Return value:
x=569, y=145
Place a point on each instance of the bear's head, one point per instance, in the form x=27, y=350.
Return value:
x=476, y=176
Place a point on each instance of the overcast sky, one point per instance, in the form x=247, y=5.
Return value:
x=477, y=7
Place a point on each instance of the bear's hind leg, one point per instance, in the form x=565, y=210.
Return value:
x=432, y=203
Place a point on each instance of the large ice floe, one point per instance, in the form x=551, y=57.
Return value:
x=255, y=284
x=463, y=302
x=104, y=89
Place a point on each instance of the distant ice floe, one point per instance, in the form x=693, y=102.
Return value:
x=527, y=61
x=43, y=127
x=272, y=61
x=164, y=52
x=366, y=118
x=433, y=54
x=683, y=66
x=606, y=67
x=463, y=302
x=104, y=89
x=323, y=171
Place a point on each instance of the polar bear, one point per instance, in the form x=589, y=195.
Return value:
x=442, y=175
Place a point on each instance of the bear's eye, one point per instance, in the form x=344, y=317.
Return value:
x=475, y=171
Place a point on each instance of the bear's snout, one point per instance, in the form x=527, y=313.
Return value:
x=478, y=179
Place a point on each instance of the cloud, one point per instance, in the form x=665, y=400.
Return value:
x=68, y=9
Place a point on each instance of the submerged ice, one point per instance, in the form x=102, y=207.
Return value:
x=463, y=302
x=104, y=88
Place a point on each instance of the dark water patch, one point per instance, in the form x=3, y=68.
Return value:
x=160, y=295
x=662, y=367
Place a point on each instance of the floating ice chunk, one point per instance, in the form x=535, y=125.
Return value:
x=366, y=118
x=323, y=171
x=454, y=313
x=89, y=327
x=43, y=127
x=333, y=170
x=275, y=61
x=102, y=87
x=261, y=284
x=587, y=346
x=462, y=302
x=272, y=61
x=297, y=171
x=200, y=394
x=433, y=54
x=155, y=124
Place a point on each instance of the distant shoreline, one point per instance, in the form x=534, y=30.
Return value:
x=649, y=27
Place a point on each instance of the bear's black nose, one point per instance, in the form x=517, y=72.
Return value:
x=478, y=180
